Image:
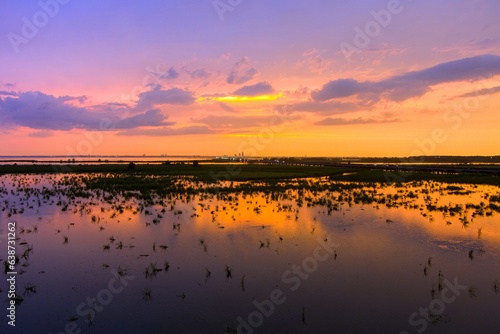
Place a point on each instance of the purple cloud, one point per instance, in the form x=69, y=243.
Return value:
x=37, y=110
x=200, y=73
x=411, y=84
x=241, y=72
x=8, y=93
x=261, y=88
x=152, y=117
x=158, y=96
x=170, y=74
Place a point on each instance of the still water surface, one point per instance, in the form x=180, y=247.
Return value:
x=347, y=258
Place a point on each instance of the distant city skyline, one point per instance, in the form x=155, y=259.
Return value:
x=295, y=78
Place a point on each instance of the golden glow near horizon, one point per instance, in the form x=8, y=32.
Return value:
x=234, y=98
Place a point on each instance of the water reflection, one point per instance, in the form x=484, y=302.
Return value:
x=203, y=257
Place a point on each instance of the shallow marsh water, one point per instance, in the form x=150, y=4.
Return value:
x=353, y=258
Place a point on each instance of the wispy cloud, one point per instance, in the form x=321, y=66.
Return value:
x=324, y=108
x=226, y=107
x=314, y=62
x=234, y=122
x=241, y=72
x=200, y=73
x=167, y=131
x=485, y=91
x=41, y=134
x=169, y=74
x=473, y=46
x=355, y=121
x=8, y=85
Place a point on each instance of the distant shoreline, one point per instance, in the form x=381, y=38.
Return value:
x=158, y=159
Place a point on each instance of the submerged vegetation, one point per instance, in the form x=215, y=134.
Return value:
x=214, y=172
x=246, y=203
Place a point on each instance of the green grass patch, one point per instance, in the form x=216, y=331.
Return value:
x=212, y=172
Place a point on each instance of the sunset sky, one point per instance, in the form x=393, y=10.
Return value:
x=287, y=78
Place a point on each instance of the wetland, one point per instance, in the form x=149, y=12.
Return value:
x=250, y=249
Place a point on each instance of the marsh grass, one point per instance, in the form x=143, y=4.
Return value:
x=89, y=319
x=29, y=289
x=182, y=296
x=147, y=294
x=496, y=287
x=440, y=281
x=122, y=271
x=434, y=317
x=472, y=292
x=228, y=272
x=18, y=300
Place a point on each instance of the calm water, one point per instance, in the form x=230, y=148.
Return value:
x=423, y=258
